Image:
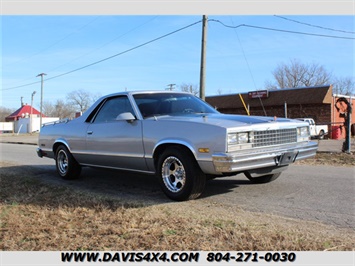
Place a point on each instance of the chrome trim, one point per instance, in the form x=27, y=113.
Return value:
x=236, y=162
x=115, y=154
x=117, y=168
x=64, y=142
x=274, y=137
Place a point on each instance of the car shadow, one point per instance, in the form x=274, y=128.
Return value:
x=130, y=189
x=224, y=185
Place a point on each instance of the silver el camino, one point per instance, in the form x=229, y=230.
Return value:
x=176, y=136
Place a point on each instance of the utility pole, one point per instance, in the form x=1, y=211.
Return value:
x=40, y=115
x=31, y=127
x=170, y=87
x=203, y=57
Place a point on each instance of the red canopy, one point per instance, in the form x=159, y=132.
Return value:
x=22, y=112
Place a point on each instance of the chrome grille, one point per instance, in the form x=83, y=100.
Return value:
x=274, y=137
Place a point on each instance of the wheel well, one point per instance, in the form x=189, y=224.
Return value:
x=161, y=148
x=56, y=145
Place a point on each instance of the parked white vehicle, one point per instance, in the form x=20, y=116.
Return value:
x=317, y=131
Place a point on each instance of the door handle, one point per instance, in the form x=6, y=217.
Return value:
x=89, y=132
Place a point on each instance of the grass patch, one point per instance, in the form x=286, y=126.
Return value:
x=334, y=159
x=39, y=216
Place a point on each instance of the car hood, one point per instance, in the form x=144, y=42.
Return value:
x=224, y=120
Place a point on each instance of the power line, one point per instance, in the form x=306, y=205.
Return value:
x=315, y=26
x=110, y=57
x=171, y=33
x=245, y=57
x=280, y=30
x=302, y=33
x=124, y=52
x=250, y=72
x=21, y=86
x=105, y=44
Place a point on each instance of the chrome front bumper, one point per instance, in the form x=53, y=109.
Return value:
x=262, y=157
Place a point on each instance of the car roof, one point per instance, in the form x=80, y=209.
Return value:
x=145, y=92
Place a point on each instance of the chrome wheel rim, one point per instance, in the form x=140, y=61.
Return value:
x=173, y=174
x=62, y=162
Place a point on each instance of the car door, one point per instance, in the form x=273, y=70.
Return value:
x=112, y=142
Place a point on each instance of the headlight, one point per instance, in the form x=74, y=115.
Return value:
x=243, y=137
x=232, y=139
x=303, y=133
x=238, y=138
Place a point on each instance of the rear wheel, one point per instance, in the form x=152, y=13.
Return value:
x=262, y=179
x=179, y=174
x=67, y=166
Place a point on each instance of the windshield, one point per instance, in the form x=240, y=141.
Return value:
x=156, y=104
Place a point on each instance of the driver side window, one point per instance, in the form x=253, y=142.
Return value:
x=112, y=108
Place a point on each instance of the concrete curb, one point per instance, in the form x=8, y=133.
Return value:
x=19, y=142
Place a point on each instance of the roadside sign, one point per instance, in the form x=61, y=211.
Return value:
x=258, y=94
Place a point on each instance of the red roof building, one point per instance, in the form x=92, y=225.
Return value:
x=22, y=112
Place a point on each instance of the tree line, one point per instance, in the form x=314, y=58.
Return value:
x=296, y=74
x=75, y=101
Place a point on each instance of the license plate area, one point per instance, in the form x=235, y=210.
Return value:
x=287, y=158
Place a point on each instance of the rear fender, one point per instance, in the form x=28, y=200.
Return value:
x=59, y=142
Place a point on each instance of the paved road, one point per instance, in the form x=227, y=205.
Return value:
x=316, y=193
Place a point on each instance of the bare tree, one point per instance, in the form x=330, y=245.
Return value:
x=80, y=99
x=4, y=112
x=297, y=74
x=48, y=109
x=59, y=109
x=64, y=110
x=344, y=86
x=76, y=101
x=193, y=89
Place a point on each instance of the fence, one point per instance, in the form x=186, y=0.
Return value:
x=6, y=127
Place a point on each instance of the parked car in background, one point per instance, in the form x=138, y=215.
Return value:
x=176, y=136
x=317, y=131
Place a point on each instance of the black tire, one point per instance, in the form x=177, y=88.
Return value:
x=321, y=134
x=179, y=175
x=262, y=179
x=67, y=166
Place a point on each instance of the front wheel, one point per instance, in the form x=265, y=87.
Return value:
x=179, y=174
x=67, y=166
x=262, y=179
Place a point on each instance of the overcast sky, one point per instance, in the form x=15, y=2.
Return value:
x=134, y=57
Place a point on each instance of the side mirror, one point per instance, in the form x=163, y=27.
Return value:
x=129, y=117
